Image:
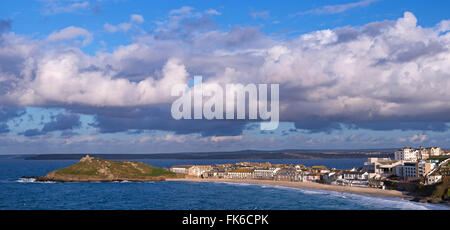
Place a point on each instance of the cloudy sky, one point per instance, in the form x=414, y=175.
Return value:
x=95, y=75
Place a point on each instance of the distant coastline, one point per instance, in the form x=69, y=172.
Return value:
x=305, y=185
x=244, y=154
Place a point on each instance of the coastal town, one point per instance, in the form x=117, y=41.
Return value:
x=409, y=167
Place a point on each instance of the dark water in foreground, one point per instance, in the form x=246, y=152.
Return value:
x=16, y=194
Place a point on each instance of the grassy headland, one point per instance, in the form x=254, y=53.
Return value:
x=90, y=169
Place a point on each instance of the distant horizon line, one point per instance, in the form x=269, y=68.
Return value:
x=236, y=151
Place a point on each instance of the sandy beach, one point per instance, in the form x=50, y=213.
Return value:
x=306, y=185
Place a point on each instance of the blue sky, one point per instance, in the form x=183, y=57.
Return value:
x=353, y=74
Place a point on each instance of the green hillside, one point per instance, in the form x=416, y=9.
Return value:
x=95, y=169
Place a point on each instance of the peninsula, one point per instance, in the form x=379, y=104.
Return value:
x=90, y=169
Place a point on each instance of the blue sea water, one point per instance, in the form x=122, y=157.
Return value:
x=16, y=194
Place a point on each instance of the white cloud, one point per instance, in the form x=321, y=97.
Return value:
x=444, y=26
x=225, y=138
x=137, y=18
x=380, y=71
x=62, y=78
x=70, y=33
x=335, y=9
x=182, y=11
x=125, y=26
x=420, y=138
x=213, y=12
x=67, y=6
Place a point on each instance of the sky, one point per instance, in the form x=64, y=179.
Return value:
x=94, y=76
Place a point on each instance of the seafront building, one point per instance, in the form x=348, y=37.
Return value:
x=353, y=175
x=198, y=170
x=240, y=174
x=265, y=173
x=217, y=172
x=413, y=155
x=182, y=169
x=423, y=165
x=287, y=174
x=310, y=177
x=191, y=170
x=381, y=167
x=407, y=154
x=407, y=170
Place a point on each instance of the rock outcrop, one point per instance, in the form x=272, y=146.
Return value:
x=90, y=169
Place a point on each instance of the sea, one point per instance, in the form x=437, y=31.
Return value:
x=20, y=194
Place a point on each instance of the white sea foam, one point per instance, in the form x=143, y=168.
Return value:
x=26, y=180
x=310, y=191
x=382, y=202
x=33, y=180
x=235, y=184
x=395, y=203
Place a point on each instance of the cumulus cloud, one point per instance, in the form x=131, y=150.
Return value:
x=383, y=75
x=137, y=18
x=125, y=26
x=369, y=77
x=71, y=33
x=185, y=22
x=66, y=78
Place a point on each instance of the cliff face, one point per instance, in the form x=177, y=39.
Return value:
x=90, y=169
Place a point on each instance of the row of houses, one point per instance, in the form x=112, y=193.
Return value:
x=408, y=165
x=297, y=173
x=414, y=155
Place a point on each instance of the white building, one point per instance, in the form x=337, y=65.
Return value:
x=265, y=173
x=426, y=153
x=309, y=177
x=198, y=170
x=407, y=154
x=239, y=175
x=180, y=168
x=352, y=175
x=435, y=151
x=381, y=167
x=433, y=179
